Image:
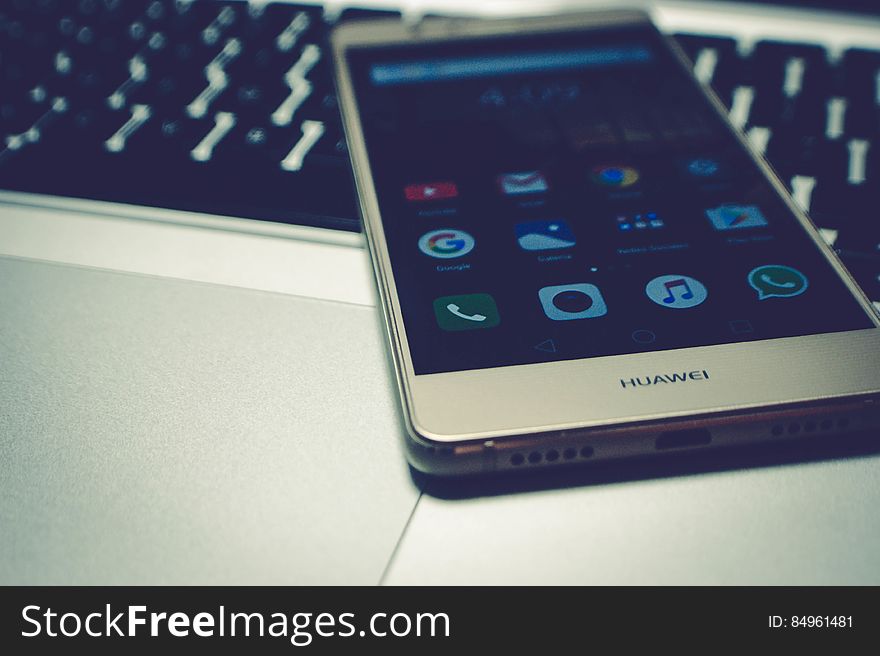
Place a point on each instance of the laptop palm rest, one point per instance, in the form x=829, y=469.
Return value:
x=162, y=431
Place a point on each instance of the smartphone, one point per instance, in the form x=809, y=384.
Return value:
x=579, y=258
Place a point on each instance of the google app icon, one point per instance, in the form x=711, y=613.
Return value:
x=446, y=243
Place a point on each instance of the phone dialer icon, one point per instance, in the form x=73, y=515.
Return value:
x=454, y=309
x=466, y=312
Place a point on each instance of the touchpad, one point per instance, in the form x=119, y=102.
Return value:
x=161, y=431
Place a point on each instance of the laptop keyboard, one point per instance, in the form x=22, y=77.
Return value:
x=185, y=105
x=222, y=108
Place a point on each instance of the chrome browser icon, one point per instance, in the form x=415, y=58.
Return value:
x=608, y=175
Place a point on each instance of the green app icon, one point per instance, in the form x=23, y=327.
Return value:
x=777, y=281
x=466, y=312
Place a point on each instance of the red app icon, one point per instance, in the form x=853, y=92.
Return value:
x=430, y=191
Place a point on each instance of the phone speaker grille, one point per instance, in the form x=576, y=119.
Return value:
x=551, y=456
x=811, y=426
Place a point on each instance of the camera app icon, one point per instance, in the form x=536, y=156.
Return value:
x=578, y=300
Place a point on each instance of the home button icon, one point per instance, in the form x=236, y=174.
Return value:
x=643, y=336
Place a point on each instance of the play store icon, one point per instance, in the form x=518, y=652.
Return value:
x=544, y=235
x=735, y=217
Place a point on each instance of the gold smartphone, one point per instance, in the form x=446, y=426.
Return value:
x=579, y=258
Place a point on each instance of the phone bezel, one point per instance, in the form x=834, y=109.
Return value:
x=583, y=394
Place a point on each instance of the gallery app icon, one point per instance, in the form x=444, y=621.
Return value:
x=517, y=184
x=777, y=281
x=735, y=217
x=428, y=191
x=466, y=312
x=446, y=243
x=676, y=291
x=612, y=175
x=544, y=235
x=578, y=300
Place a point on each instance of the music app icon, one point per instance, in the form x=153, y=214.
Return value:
x=676, y=291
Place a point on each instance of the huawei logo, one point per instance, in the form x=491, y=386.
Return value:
x=664, y=379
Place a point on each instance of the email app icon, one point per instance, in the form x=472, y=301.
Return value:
x=528, y=182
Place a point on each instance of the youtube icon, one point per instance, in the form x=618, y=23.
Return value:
x=428, y=191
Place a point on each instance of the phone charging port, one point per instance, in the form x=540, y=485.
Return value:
x=681, y=439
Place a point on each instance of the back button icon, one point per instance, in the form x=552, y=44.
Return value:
x=547, y=346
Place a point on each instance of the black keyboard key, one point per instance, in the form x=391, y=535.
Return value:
x=170, y=141
x=692, y=44
x=716, y=60
x=272, y=35
x=269, y=149
x=19, y=113
x=767, y=51
x=843, y=206
x=862, y=239
x=359, y=13
x=790, y=67
x=768, y=108
x=862, y=118
x=251, y=100
x=860, y=69
x=288, y=27
x=258, y=145
x=806, y=114
x=791, y=154
x=865, y=270
x=731, y=71
x=87, y=129
x=798, y=115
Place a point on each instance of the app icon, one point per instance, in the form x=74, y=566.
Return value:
x=777, y=281
x=466, y=312
x=638, y=222
x=446, y=243
x=734, y=217
x=516, y=184
x=544, y=235
x=578, y=300
x=707, y=169
x=614, y=176
x=676, y=291
x=427, y=191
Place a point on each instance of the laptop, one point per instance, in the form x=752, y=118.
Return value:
x=194, y=386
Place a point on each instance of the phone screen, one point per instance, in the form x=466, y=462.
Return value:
x=573, y=196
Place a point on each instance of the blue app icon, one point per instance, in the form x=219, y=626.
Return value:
x=735, y=217
x=544, y=235
x=676, y=291
x=578, y=300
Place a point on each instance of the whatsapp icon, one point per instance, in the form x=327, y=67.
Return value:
x=777, y=281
